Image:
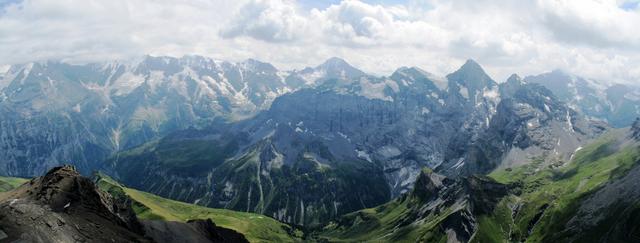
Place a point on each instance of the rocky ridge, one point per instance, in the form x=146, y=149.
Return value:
x=63, y=206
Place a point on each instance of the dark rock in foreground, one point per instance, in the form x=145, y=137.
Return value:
x=63, y=206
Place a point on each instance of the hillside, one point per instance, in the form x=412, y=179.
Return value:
x=592, y=198
x=255, y=227
x=8, y=183
x=547, y=202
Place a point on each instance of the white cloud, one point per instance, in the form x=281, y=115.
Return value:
x=268, y=20
x=595, y=38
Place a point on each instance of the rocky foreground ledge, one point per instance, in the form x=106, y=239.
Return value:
x=63, y=206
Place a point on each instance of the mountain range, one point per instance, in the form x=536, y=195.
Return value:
x=56, y=112
x=320, y=147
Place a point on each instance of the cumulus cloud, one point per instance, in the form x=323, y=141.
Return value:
x=594, y=38
x=268, y=20
x=596, y=23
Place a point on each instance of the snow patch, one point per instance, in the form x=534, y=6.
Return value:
x=459, y=164
x=464, y=92
x=440, y=82
x=569, y=122
x=574, y=153
x=491, y=94
x=389, y=151
x=311, y=78
x=77, y=108
x=228, y=189
x=373, y=90
x=126, y=83
x=343, y=135
x=363, y=155
x=392, y=84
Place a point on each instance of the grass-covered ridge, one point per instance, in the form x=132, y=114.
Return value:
x=255, y=227
x=547, y=198
x=8, y=183
x=438, y=209
x=391, y=222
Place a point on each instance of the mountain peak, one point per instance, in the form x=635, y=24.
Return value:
x=335, y=61
x=338, y=68
x=471, y=63
x=472, y=76
x=472, y=67
x=514, y=79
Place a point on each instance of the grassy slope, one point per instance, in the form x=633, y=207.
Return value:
x=255, y=227
x=396, y=221
x=8, y=183
x=385, y=224
x=559, y=190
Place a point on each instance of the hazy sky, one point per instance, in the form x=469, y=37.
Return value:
x=593, y=38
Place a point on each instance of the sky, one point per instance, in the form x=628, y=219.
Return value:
x=598, y=39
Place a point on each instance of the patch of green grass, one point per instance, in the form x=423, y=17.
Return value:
x=396, y=221
x=255, y=227
x=551, y=196
x=9, y=183
x=498, y=226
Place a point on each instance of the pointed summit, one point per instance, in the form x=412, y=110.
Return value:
x=472, y=77
x=338, y=68
x=332, y=68
x=471, y=64
x=509, y=88
x=514, y=79
x=471, y=74
x=335, y=61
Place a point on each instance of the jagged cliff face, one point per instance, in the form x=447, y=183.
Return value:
x=349, y=144
x=528, y=124
x=54, y=113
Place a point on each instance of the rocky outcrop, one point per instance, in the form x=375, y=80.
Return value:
x=466, y=198
x=63, y=206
